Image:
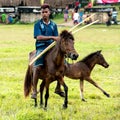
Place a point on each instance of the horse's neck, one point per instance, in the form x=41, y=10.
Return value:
x=91, y=63
x=58, y=56
x=55, y=61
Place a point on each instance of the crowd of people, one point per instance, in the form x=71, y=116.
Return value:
x=8, y=18
x=112, y=17
x=77, y=14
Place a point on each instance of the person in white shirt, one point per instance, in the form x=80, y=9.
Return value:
x=76, y=17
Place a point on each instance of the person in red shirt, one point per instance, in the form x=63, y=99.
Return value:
x=77, y=3
x=89, y=5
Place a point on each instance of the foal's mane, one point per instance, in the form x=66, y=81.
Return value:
x=90, y=56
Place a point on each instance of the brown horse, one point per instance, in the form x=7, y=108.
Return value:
x=53, y=68
x=82, y=70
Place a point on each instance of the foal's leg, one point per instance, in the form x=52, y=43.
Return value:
x=81, y=89
x=42, y=85
x=95, y=84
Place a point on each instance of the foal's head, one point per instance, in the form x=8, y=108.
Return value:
x=67, y=45
x=101, y=60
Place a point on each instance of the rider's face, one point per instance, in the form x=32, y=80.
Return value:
x=45, y=13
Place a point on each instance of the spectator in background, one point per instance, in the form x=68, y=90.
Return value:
x=108, y=23
x=114, y=16
x=88, y=20
x=10, y=19
x=0, y=19
x=3, y=18
x=89, y=5
x=81, y=13
x=76, y=17
x=77, y=4
x=72, y=14
x=66, y=14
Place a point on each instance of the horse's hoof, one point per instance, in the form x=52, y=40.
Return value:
x=64, y=106
x=84, y=100
x=33, y=96
x=62, y=94
x=45, y=108
x=35, y=105
x=106, y=94
x=41, y=105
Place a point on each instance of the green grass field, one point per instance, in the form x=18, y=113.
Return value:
x=16, y=41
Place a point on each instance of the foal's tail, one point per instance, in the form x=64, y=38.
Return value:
x=27, y=82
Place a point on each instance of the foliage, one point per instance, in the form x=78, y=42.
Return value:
x=17, y=41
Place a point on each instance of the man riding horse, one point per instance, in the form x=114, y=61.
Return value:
x=45, y=32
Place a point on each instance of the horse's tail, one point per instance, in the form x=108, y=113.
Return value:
x=27, y=82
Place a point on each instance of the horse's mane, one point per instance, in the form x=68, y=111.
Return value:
x=90, y=56
x=65, y=34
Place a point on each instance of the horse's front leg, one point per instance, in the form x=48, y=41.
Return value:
x=95, y=84
x=42, y=85
x=61, y=81
x=81, y=89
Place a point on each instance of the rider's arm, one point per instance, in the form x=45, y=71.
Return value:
x=41, y=37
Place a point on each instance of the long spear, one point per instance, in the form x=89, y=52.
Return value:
x=81, y=22
x=85, y=26
x=43, y=52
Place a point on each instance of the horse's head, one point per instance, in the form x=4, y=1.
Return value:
x=67, y=45
x=101, y=60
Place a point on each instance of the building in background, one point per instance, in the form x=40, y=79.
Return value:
x=25, y=11
x=9, y=3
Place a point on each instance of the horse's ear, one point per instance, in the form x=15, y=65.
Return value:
x=99, y=51
x=64, y=33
